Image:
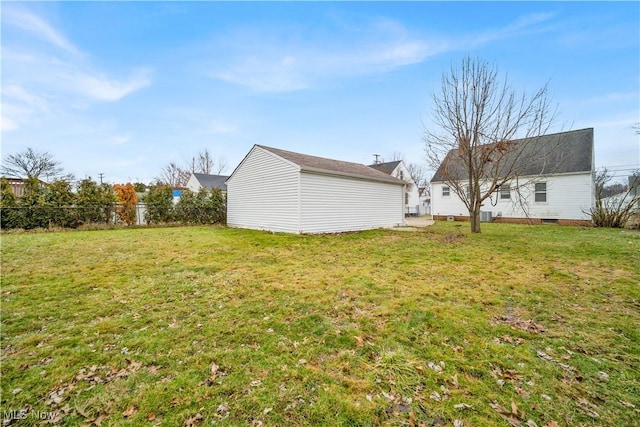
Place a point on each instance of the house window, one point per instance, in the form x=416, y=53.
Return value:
x=505, y=191
x=445, y=191
x=541, y=192
x=402, y=175
x=406, y=199
x=467, y=191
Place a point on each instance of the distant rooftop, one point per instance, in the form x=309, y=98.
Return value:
x=209, y=182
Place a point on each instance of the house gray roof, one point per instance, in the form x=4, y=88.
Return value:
x=209, y=182
x=334, y=167
x=387, y=167
x=558, y=153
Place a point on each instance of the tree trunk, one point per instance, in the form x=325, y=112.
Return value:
x=474, y=216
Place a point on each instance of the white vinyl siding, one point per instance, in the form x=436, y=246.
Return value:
x=193, y=184
x=568, y=197
x=262, y=194
x=268, y=192
x=335, y=204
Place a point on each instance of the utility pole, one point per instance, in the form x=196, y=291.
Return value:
x=376, y=161
x=101, y=175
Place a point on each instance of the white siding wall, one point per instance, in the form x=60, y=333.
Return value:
x=193, y=184
x=568, y=197
x=263, y=193
x=336, y=204
x=413, y=199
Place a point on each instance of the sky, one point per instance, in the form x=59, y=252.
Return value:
x=124, y=88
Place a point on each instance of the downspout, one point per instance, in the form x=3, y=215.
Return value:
x=299, y=200
x=404, y=191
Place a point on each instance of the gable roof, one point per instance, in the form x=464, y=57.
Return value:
x=333, y=167
x=387, y=167
x=208, y=182
x=564, y=152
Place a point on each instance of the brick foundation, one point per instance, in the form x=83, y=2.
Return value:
x=533, y=221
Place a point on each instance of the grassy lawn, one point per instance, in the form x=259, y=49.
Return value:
x=206, y=325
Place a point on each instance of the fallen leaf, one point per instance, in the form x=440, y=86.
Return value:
x=531, y=423
x=151, y=416
x=541, y=354
x=552, y=424
x=154, y=370
x=130, y=411
x=267, y=410
x=133, y=366
x=458, y=423
x=462, y=406
x=195, y=420
x=627, y=404
x=214, y=368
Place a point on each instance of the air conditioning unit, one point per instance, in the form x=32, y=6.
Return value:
x=485, y=216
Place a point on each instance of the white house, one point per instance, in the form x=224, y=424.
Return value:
x=412, y=195
x=557, y=187
x=278, y=190
x=198, y=181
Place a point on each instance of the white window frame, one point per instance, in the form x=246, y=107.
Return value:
x=446, y=191
x=504, y=191
x=541, y=192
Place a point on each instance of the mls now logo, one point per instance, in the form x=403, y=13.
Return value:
x=15, y=415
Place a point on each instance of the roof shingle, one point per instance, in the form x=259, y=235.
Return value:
x=564, y=152
x=335, y=167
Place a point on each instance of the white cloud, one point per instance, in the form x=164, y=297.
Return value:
x=521, y=25
x=40, y=76
x=7, y=124
x=103, y=88
x=271, y=61
x=35, y=25
x=121, y=139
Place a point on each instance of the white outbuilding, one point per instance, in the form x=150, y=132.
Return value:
x=278, y=190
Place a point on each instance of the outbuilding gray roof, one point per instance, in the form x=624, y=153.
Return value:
x=209, y=182
x=558, y=153
x=387, y=167
x=334, y=167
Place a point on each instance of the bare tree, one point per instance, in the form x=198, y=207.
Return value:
x=177, y=176
x=615, y=211
x=205, y=163
x=33, y=164
x=477, y=115
x=418, y=173
x=173, y=175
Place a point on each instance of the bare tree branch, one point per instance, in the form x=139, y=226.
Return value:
x=477, y=116
x=177, y=176
x=33, y=164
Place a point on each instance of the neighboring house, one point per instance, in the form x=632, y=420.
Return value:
x=280, y=190
x=399, y=170
x=425, y=200
x=198, y=181
x=557, y=187
x=18, y=184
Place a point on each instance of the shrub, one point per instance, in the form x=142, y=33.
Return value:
x=159, y=204
x=127, y=200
